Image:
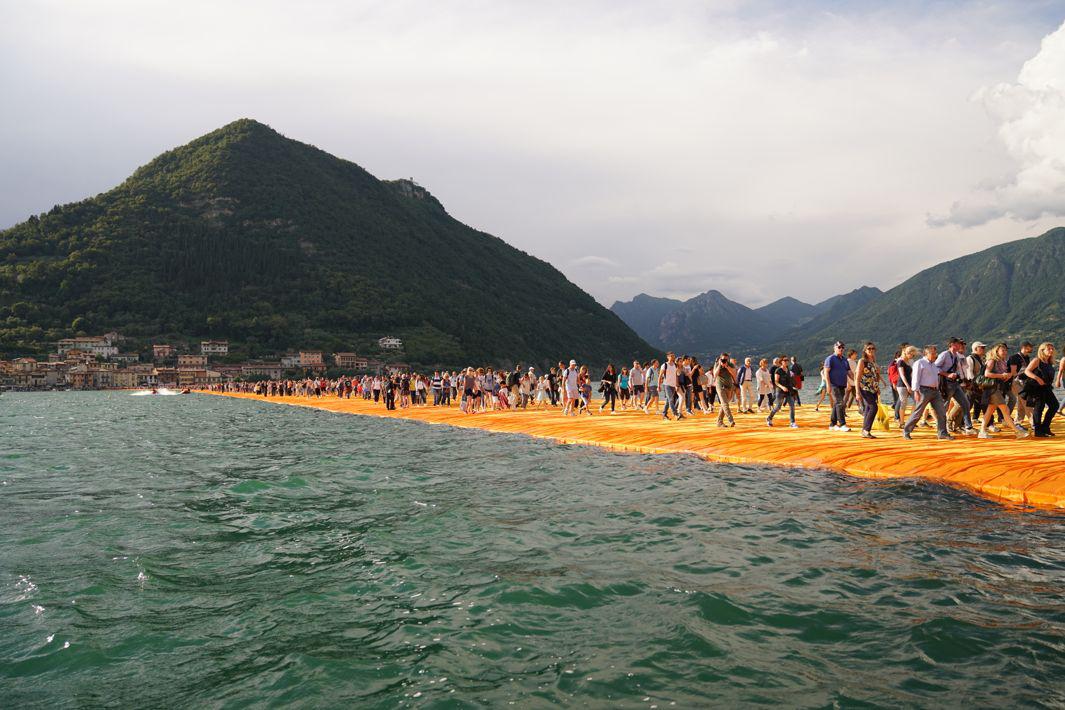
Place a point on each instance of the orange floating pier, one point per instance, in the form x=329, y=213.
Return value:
x=1026, y=472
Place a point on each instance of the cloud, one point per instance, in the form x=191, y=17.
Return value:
x=1031, y=118
x=765, y=148
x=593, y=262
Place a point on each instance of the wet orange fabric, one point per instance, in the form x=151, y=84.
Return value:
x=1027, y=472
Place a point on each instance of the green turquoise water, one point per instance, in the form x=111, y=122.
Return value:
x=207, y=552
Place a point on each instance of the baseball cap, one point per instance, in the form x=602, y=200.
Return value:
x=978, y=344
x=572, y=362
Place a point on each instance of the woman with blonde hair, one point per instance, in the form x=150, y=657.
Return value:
x=1039, y=390
x=905, y=385
x=996, y=380
x=765, y=386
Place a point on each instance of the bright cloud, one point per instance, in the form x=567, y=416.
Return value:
x=1031, y=117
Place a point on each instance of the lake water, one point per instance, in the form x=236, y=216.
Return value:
x=201, y=551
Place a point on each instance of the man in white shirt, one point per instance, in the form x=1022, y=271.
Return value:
x=926, y=392
x=569, y=380
x=668, y=378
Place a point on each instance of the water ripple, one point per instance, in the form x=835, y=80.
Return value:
x=201, y=551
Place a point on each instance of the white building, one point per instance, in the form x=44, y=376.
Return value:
x=390, y=343
x=95, y=345
x=214, y=347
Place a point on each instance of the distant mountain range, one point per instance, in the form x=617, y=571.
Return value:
x=1009, y=292
x=710, y=323
x=274, y=244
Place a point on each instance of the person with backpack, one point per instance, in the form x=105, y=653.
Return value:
x=949, y=365
x=1018, y=365
x=893, y=376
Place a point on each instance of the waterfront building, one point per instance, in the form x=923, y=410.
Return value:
x=214, y=347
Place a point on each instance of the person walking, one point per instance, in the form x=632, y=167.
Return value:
x=745, y=378
x=797, y=378
x=974, y=368
x=636, y=383
x=852, y=387
x=949, y=363
x=837, y=371
x=765, y=386
x=997, y=369
x=1018, y=366
x=608, y=386
x=926, y=393
x=785, y=390
x=1039, y=390
x=571, y=388
x=725, y=379
x=652, y=376
x=667, y=378
x=904, y=386
x=869, y=381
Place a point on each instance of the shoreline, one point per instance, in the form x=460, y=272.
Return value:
x=1025, y=472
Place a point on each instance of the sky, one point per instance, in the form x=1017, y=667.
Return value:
x=760, y=148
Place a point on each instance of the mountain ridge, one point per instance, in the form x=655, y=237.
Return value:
x=275, y=244
x=1007, y=292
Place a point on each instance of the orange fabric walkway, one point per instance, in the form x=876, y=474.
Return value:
x=1027, y=472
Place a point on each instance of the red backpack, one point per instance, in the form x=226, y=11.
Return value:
x=893, y=373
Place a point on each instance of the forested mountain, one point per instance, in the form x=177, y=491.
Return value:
x=831, y=310
x=644, y=315
x=1009, y=292
x=274, y=244
x=710, y=323
x=787, y=312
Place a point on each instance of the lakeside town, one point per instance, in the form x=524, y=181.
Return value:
x=101, y=362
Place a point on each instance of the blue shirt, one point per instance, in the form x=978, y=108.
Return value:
x=925, y=374
x=947, y=361
x=837, y=367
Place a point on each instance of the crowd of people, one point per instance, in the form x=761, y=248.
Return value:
x=977, y=393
